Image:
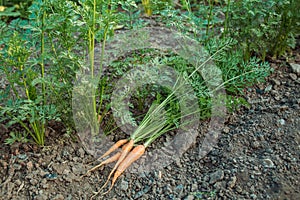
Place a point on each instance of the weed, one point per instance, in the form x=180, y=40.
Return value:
x=16, y=137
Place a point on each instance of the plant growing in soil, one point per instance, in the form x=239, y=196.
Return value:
x=41, y=55
x=264, y=27
x=16, y=137
x=56, y=40
x=162, y=117
x=23, y=71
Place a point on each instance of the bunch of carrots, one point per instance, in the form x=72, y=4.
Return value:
x=152, y=126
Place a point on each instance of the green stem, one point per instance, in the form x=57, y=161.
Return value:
x=226, y=24
x=229, y=80
x=209, y=19
x=188, y=6
x=43, y=57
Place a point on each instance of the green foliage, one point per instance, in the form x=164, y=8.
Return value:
x=16, y=137
x=42, y=51
x=265, y=27
x=13, y=9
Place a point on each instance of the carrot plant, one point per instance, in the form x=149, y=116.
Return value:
x=41, y=55
x=264, y=27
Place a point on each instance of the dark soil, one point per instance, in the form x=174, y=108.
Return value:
x=257, y=157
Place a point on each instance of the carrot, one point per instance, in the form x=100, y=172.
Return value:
x=107, y=161
x=135, y=154
x=114, y=147
x=125, y=150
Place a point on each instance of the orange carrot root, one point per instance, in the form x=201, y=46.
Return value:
x=114, y=147
x=107, y=161
x=110, y=159
x=135, y=154
x=125, y=150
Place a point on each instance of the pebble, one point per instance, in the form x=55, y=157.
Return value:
x=268, y=163
x=81, y=152
x=22, y=156
x=29, y=166
x=253, y=196
x=51, y=176
x=255, y=144
x=33, y=182
x=232, y=182
x=78, y=169
x=295, y=68
x=179, y=189
x=216, y=176
x=18, y=182
x=277, y=98
x=124, y=185
x=194, y=187
x=189, y=197
x=275, y=82
x=41, y=197
x=293, y=76
x=226, y=129
x=17, y=166
x=281, y=121
x=239, y=189
x=59, y=197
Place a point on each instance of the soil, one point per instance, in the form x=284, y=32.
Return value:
x=257, y=157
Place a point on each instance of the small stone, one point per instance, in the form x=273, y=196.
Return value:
x=281, y=122
x=59, y=197
x=226, y=129
x=22, y=156
x=66, y=172
x=70, y=177
x=293, y=76
x=253, y=196
x=232, y=182
x=284, y=107
x=268, y=163
x=277, y=98
x=178, y=163
x=275, y=82
x=255, y=144
x=18, y=182
x=295, y=68
x=179, y=189
x=75, y=159
x=216, y=176
x=50, y=176
x=239, y=189
x=58, y=157
x=81, y=152
x=78, y=169
x=17, y=166
x=189, y=197
x=42, y=173
x=41, y=196
x=194, y=187
x=29, y=166
x=33, y=182
x=124, y=185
